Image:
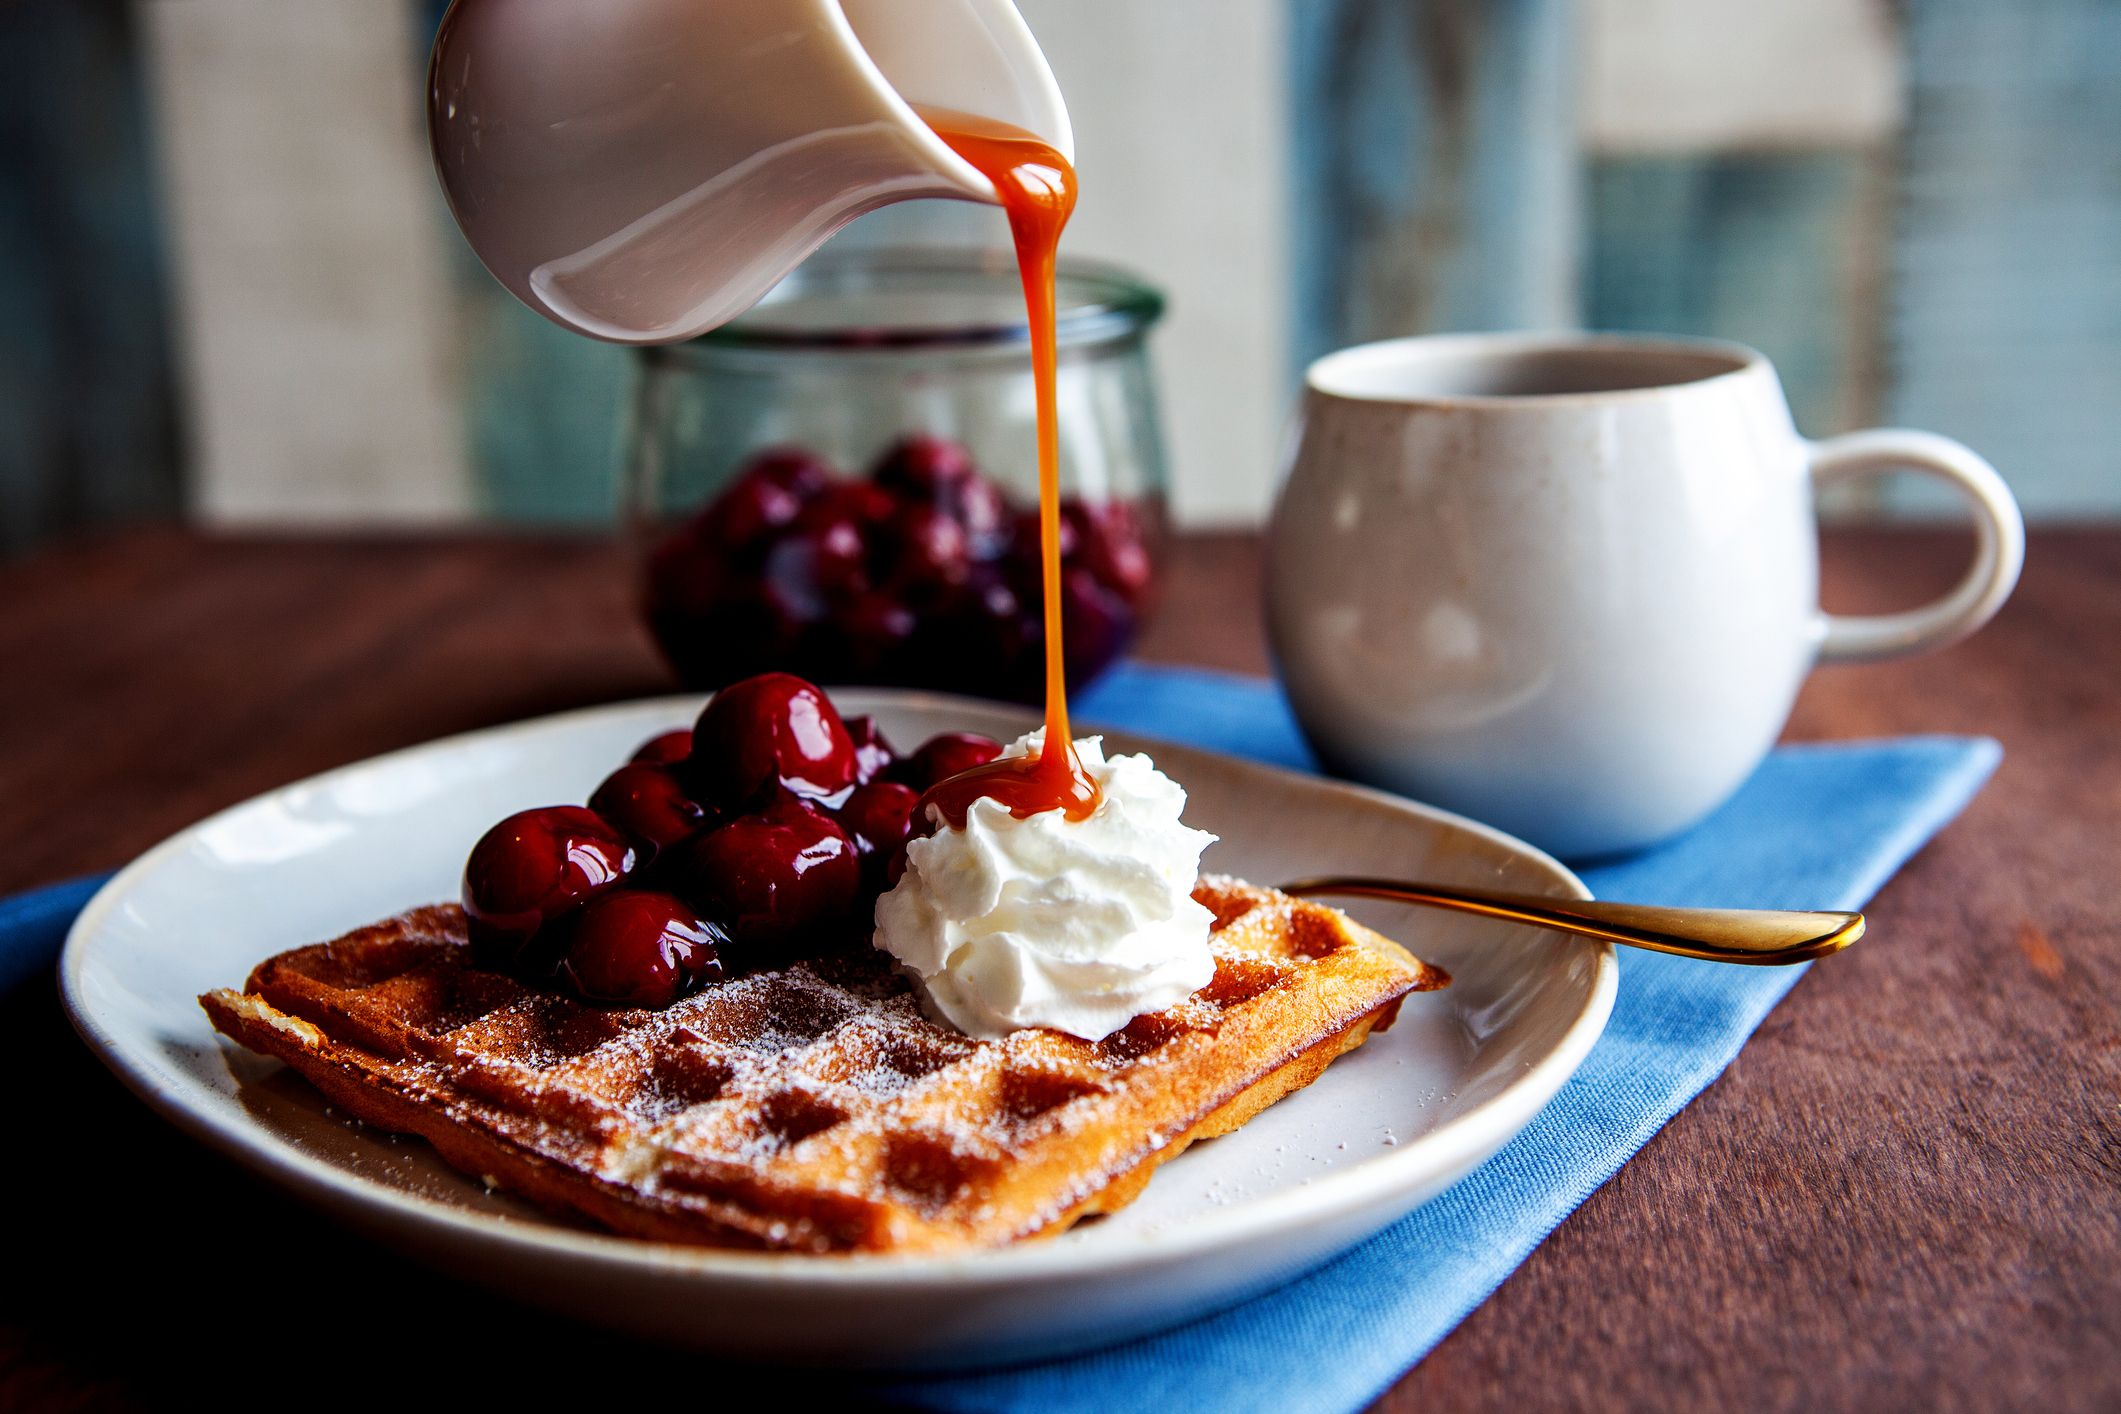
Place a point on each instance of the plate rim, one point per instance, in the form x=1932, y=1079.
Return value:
x=1336, y=1195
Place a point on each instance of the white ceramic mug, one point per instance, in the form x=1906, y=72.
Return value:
x=1569, y=584
x=643, y=170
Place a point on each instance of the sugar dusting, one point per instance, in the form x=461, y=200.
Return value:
x=816, y=1107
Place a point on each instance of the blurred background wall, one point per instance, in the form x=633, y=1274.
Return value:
x=228, y=286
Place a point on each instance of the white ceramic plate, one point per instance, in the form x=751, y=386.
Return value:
x=1383, y=1130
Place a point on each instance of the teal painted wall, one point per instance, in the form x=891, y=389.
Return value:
x=1434, y=177
x=2004, y=316
x=1773, y=250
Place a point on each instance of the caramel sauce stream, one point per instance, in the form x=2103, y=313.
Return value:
x=1037, y=188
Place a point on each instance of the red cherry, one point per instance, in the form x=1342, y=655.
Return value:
x=686, y=571
x=873, y=755
x=768, y=730
x=747, y=627
x=879, y=815
x=935, y=472
x=635, y=947
x=919, y=828
x=750, y=512
x=979, y=507
x=857, y=503
x=924, y=467
x=1025, y=545
x=766, y=496
x=773, y=876
x=790, y=468
x=993, y=634
x=668, y=749
x=793, y=576
x=649, y=804
x=947, y=755
x=1112, y=546
x=533, y=867
x=1096, y=623
x=832, y=559
x=927, y=549
x=869, y=634
x=751, y=626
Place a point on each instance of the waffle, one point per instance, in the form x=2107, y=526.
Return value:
x=813, y=1108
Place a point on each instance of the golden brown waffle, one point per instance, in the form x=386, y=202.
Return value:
x=813, y=1108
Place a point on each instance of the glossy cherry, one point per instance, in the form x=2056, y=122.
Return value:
x=1025, y=546
x=750, y=511
x=839, y=557
x=1110, y=546
x=773, y=729
x=1097, y=622
x=687, y=572
x=667, y=749
x=869, y=634
x=637, y=947
x=993, y=639
x=857, y=503
x=924, y=467
x=793, y=578
x=770, y=877
x=790, y=468
x=947, y=755
x=755, y=623
x=649, y=804
x=873, y=753
x=922, y=825
x=879, y=815
x=534, y=867
x=928, y=549
x=980, y=507
x=937, y=472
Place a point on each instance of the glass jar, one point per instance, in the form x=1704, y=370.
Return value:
x=843, y=482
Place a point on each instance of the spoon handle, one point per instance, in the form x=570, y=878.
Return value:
x=1761, y=937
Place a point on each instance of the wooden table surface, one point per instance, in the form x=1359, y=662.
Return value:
x=1906, y=1193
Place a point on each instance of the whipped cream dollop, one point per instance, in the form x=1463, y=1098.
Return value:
x=1077, y=925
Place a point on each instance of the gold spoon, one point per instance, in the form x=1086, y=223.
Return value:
x=1758, y=936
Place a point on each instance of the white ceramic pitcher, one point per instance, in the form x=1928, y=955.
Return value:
x=643, y=170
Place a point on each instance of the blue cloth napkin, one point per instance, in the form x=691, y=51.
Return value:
x=1368, y=1315
x=33, y=925
x=1333, y=1340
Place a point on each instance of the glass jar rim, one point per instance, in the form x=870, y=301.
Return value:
x=1099, y=302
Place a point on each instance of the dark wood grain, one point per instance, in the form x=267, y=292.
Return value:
x=1906, y=1193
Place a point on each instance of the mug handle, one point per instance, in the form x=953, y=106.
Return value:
x=1999, y=551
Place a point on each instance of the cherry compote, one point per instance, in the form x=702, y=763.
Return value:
x=772, y=732
x=767, y=830
x=638, y=947
x=922, y=573
x=665, y=749
x=873, y=753
x=650, y=805
x=949, y=754
x=772, y=877
x=880, y=818
x=533, y=868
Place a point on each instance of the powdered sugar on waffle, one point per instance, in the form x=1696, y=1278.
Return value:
x=812, y=1107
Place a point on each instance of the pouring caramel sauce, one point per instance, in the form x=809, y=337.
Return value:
x=1037, y=188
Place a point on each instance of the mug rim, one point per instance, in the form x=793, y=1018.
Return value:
x=1330, y=375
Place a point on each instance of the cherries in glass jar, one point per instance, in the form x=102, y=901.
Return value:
x=922, y=574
